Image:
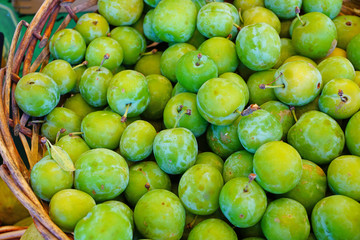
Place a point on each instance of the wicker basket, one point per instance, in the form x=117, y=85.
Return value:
x=13, y=171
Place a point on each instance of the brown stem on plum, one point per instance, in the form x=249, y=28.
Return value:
x=147, y=186
x=252, y=176
x=199, y=56
x=264, y=86
x=45, y=141
x=237, y=111
x=124, y=118
x=229, y=36
x=149, y=53
x=154, y=44
x=181, y=113
x=292, y=109
x=276, y=86
x=297, y=11
x=106, y=57
x=192, y=223
x=61, y=131
x=84, y=63
x=73, y=134
x=237, y=26
x=252, y=108
x=342, y=97
x=108, y=34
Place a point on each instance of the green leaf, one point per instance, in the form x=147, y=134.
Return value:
x=62, y=158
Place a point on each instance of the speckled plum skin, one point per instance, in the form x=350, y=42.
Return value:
x=212, y=229
x=137, y=141
x=285, y=219
x=261, y=14
x=199, y=189
x=347, y=27
x=128, y=87
x=353, y=52
x=121, y=12
x=148, y=27
x=159, y=214
x=73, y=145
x=175, y=150
x=258, y=46
x=242, y=207
x=238, y=164
x=238, y=79
x=257, y=95
x=91, y=26
x=336, y=216
x=211, y=159
x=352, y=133
x=68, y=45
x=336, y=67
x=172, y=26
x=37, y=94
x=102, y=173
x=278, y=167
x=284, y=9
x=317, y=137
x=330, y=8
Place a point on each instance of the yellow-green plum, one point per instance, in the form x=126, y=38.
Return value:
x=78, y=104
x=79, y=70
x=261, y=15
x=243, y=201
x=159, y=214
x=353, y=52
x=149, y=63
x=197, y=39
x=258, y=46
x=278, y=167
x=91, y=26
x=68, y=207
x=285, y=219
x=336, y=67
x=121, y=12
x=257, y=95
x=37, y=94
x=212, y=229
x=352, y=132
x=178, y=89
x=357, y=78
x=317, y=137
x=336, y=216
x=200, y=3
x=238, y=164
x=137, y=141
x=101, y=173
x=102, y=129
x=237, y=78
x=48, y=178
x=74, y=145
x=347, y=27
x=68, y=45
x=246, y=4
x=148, y=27
x=330, y=8
x=170, y=25
x=287, y=50
x=152, y=3
x=284, y=9
x=211, y=159
x=302, y=58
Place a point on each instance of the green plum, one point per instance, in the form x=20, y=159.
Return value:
x=175, y=114
x=238, y=164
x=170, y=25
x=357, y=78
x=178, y=89
x=197, y=39
x=314, y=105
x=223, y=52
x=211, y=159
x=330, y=8
x=149, y=63
x=246, y=4
x=171, y=56
x=94, y=84
x=224, y=140
x=69, y=45
x=62, y=73
x=278, y=167
x=258, y=128
x=139, y=25
x=159, y=214
x=152, y=3
x=352, y=133
x=91, y=26
x=297, y=83
x=353, y=52
x=317, y=137
x=235, y=77
x=137, y=141
x=131, y=41
x=258, y=46
x=106, y=50
x=311, y=188
x=284, y=9
x=148, y=27
x=251, y=232
x=105, y=221
x=347, y=27
x=128, y=212
x=121, y=12
x=74, y=146
x=60, y=118
x=285, y=219
x=79, y=70
x=200, y=3
x=37, y=94
x=343, y=177
x=128, y=93
x=219, y=100
x=243, y=201
x=282, y=113
x=102, y=173
x=315, y=36
x=160, y=89
x=78, y=104
x=261, y=15
x=337, y=217
x=257, y=95
x=340, y=98
x=144, y=177
x=287, y=50
x=302, y=58
x=193, y=69
x=175, y=150
x=48, y=178
x=212, y=229
x=336, y=67
x=102, y=129
x=69, y=206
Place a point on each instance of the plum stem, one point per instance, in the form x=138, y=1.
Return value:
x=292, y=109
x=147, y=186
x=154, y=44
x=199, y=56
x=84, y=63
x=342, y=97
x=149, y=53
x=181, y=112
x=252, y=176
x=75, y=134
x=297, y=11
x=237, y=26
x=229, y=36
x=252, y=108
x=263, y=86
x=191, y=224
x=124, y=118
x=61, y=131
x=106, y=57
x=240, y=15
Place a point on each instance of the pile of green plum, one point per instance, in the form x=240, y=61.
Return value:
x=197, y=119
